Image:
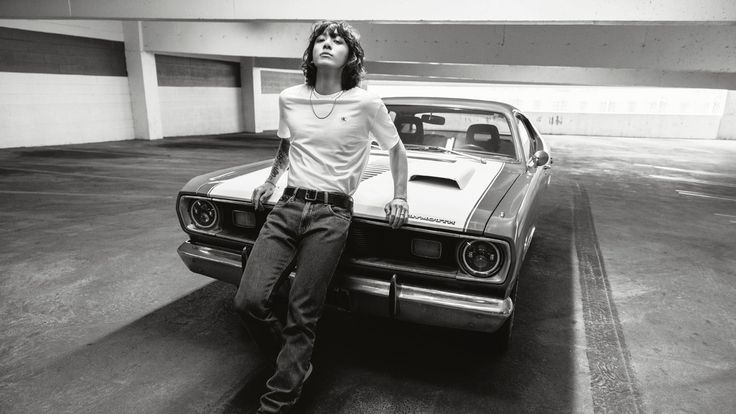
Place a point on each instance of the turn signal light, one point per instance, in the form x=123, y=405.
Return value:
x=245, y=219
x=428, y=249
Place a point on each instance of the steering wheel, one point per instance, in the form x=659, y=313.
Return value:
x=472, y=147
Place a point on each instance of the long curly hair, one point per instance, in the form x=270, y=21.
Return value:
x=354, y=69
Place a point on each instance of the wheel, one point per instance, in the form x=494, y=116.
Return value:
x=502, y=337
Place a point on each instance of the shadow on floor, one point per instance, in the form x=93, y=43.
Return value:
x=192, y=355
x=374, y=365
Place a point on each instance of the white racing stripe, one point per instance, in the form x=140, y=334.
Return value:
x=101, y=195
x=110, y=177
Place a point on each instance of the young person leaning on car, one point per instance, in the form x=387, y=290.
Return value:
x=324, y=128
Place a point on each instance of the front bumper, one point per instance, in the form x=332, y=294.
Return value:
x=373, y=296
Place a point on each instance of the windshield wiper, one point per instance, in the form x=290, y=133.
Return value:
x=442, y=149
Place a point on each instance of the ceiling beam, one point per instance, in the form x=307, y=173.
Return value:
x=530, y=75
x=680, y=48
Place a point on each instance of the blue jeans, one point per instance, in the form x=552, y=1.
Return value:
x=313, y=235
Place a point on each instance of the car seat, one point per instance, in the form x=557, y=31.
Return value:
x=485, y=136
x=410, y=129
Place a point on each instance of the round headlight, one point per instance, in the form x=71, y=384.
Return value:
x=480, y=258
x=203, y=214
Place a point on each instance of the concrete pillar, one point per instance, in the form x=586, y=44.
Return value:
x=250, y=89
x=727, y=127
x=143, y=83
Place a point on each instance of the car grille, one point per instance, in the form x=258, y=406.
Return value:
x=368, y=240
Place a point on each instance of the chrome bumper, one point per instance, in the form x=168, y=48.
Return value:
x=376, y=297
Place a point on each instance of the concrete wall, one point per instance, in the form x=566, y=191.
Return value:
x=727, y=127
x=627, y=125
x=592, y=111
x=199, y=96
x=65, y=82
x=272, y=82
x=200, y=110
x=43, y=109
x=61, y=89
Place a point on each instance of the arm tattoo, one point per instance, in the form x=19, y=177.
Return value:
x=281, y=162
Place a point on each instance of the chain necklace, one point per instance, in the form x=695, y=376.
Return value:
x=334, y=102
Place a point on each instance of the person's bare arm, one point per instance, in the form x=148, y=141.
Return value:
x=280, y=165
x=397, y=210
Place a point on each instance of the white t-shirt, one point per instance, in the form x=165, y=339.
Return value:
x=330, y=154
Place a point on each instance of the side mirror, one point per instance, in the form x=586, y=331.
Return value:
x=540, y=158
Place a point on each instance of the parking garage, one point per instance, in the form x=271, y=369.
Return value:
x=624, y=302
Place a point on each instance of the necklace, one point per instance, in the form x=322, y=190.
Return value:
x=334, y=102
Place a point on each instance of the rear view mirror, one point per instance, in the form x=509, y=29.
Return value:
x=433, y=119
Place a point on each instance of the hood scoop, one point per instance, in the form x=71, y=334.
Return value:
x=448, y=175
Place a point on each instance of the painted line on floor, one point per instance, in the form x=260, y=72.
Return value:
x=704, y=151
x=691, y=180
x=148, y=156
x=103, y=195
x=31, y=170
x=110, y=165
x=613, y=385
x=703, y=195
x=724, y=215
x=659, y=167
x=99, y=151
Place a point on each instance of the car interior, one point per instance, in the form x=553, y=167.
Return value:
x=477, y=137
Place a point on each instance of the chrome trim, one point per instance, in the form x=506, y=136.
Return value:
x=212, y=262
x=367, y=295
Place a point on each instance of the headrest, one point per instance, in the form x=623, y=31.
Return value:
x=409, y=135
x=485, y=129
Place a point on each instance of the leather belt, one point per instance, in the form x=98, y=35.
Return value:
x=326, y=197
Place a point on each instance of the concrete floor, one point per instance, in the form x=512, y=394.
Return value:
x=625, y=303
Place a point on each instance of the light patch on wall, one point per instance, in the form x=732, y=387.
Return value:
x=590, y=110
x=571, y=99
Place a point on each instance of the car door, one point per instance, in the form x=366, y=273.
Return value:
x=537, y=177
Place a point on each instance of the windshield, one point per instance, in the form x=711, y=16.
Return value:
x=466, y=130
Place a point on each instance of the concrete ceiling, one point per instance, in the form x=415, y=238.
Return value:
x=441, y=11
x=592, y=42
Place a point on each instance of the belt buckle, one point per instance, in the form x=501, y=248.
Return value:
x=307, y=196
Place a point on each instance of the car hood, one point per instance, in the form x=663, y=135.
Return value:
x=446, y=192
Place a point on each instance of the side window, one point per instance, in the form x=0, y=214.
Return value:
x=532, y=134
x=526, y=141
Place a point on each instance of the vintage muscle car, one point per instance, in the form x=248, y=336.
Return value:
x=477, y=170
